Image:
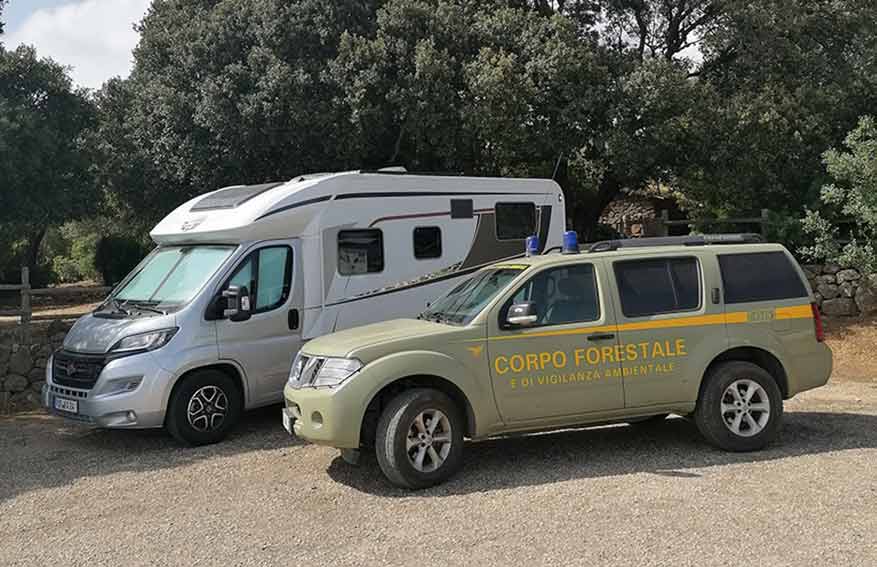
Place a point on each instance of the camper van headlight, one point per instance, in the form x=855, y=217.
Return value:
x=334, y=371
x=143, y=342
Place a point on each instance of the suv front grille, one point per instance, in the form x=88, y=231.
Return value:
x=306, y=371
x=77, y=370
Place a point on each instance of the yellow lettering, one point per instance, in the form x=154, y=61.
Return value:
x=579, y=355
x=516, y=362
x=608, y=354
x=644, y=347
x=544, y=357
x=680, y=347
x=657, y=351
x=559, y=359
x=532, y=361
x=501, y=360
x=631, y=352
x=593, y=355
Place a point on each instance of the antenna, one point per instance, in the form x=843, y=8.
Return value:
x=556, y=166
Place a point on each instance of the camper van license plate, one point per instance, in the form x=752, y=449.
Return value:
x=70, y=406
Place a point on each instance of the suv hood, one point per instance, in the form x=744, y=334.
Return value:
x=365, y=342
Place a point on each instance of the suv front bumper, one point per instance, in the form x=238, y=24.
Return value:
x=326, y=416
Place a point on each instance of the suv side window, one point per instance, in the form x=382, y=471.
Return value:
x=566, y=294
x=266, y=273
x=663, y=285
x=759, y=276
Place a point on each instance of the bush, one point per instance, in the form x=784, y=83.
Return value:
x=850, y=201
x=115, y=256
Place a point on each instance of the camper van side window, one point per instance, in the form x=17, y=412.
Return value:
x=515, y=221
x=267, y=273
x=360, y=252
x=427, y=242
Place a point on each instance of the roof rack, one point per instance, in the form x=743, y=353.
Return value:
x=697, y=240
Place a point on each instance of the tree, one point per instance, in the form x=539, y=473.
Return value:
x=44, y=163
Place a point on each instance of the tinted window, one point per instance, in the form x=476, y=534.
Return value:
x=360, y=252
x=515, y=220
x=761, y=276
x=427, y=242
x=266, y=273
x=649, y=287
x=566, y=294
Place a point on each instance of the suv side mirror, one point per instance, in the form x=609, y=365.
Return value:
x=522, y=314
x=237, y=303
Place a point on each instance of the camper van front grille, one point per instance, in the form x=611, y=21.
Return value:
x=77, y=370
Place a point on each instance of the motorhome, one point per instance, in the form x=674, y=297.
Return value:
x=207, y=325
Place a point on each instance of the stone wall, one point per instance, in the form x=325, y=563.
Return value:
x=842, y=291
x=23, y=366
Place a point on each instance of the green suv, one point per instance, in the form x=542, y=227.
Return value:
x=720, y=329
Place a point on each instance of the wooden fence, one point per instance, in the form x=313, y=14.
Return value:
x=761, y=221
x=25, y=310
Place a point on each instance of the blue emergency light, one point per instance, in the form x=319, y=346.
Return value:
x=532, y=245
x=570, y=242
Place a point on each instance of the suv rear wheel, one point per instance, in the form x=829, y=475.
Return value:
x=204, y=408
x=419, y=441
x=740, y=407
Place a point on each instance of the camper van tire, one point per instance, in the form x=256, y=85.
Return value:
x=204, y=407
x=419, y=439
x=740, y=407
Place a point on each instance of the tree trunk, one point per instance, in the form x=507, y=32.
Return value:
x=587, y=209
x=34, y=242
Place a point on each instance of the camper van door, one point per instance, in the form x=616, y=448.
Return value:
x=265, y=343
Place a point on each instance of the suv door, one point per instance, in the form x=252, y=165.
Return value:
x=665, y=326
x=265, y=344
x=564, y=365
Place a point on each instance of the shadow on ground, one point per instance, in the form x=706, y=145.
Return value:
x=39, y=451
x=672, y=448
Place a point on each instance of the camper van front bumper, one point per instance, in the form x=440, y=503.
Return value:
x=128, y=394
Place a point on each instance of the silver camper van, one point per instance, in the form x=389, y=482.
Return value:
x=207, y=325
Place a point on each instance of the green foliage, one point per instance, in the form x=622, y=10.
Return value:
x=115, y=256
x=851, y=200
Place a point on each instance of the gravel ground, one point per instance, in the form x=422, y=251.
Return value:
x=614, y=495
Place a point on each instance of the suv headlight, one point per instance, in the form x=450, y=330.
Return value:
x=321, y=371
x=143, y=342
x=334, y=371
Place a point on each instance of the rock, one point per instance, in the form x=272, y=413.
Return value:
x=57, y=327
x=839, y=307
x=848, y=289
x=815, y=269
x=830, y=269
x=866, y=295
x=16, y=383
x=37, y=374
x=20, y=362
x=22, y=401
x=58, y=338
x=808, y=274
x=825, y=280
x=848, y=275
x=37, y=386
x=817, y=297
x=828, y=291
x=41, y=363
x=5, y=352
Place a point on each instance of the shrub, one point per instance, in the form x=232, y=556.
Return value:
x=115, y=256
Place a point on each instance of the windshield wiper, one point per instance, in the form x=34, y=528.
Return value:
x=144, y=306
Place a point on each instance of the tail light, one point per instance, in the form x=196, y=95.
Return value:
x=817, y=323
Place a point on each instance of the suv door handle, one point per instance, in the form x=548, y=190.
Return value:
x=601, y=336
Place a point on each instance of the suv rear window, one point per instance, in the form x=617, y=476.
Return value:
x=665, y=285
x=759, y=276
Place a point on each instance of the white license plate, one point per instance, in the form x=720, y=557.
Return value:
x=70, y=406
x=287, y=422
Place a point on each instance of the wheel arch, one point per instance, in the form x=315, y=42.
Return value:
x=755, y=355
x=382, y=397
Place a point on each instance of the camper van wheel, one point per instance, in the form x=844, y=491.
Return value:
x=203, y=408
x=740, y=407
x=419, y=440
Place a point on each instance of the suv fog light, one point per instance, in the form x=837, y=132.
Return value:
x=317, y=419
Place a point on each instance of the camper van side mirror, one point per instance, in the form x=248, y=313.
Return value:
x=522, y=314
x=237, y=303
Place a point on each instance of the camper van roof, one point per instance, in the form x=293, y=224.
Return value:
x=241, y=213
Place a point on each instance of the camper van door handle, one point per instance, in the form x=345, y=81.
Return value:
x=601, y=336
x=292, y=319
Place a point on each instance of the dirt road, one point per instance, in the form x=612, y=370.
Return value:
x=622, y=495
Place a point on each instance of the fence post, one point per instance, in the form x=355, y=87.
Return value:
x=665, y=228
x=764, y=223
x=25, y=306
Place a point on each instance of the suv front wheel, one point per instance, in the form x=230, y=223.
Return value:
x=419, y=441
x=740, y=407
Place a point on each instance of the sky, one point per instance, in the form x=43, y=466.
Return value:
x=94, y=38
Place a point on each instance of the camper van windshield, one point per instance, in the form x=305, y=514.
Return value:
x=465, y=301
x=171, y=275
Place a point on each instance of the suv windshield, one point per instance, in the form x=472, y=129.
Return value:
x=464, y=302
x=171, y=276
